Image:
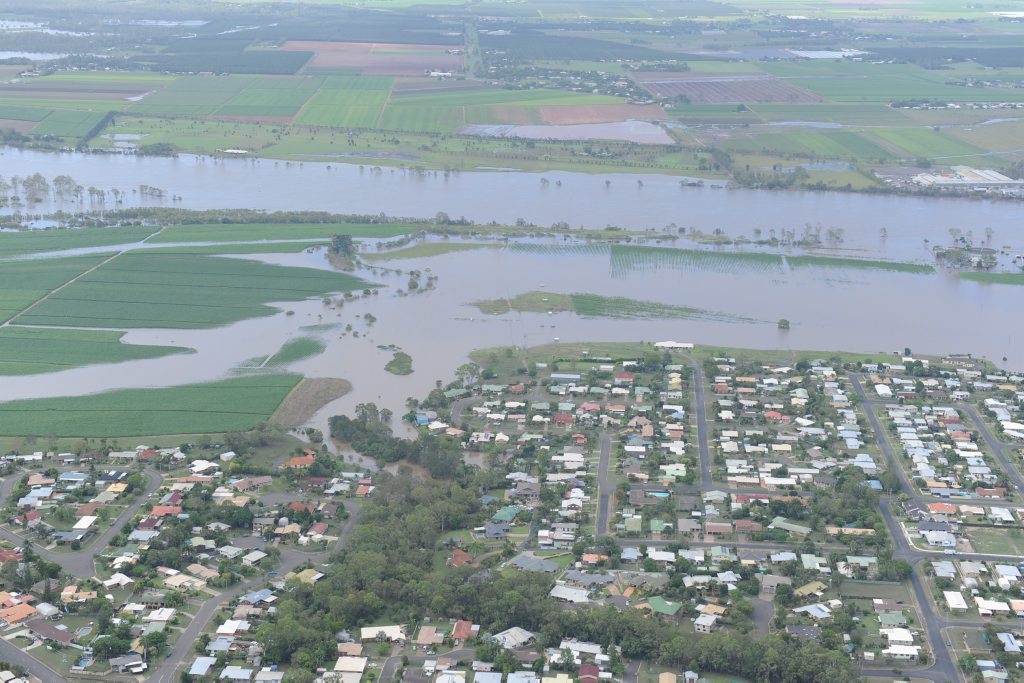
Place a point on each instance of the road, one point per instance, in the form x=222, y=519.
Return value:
x=82, y=563
x=604, y=488
x=700, y=407
x=997, y=446
x=168, y=672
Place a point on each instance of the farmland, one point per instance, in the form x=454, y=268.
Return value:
x=27, y=350
x=22, y=283
x=228, y=405
x=724, y=88
x=377, y=59
x=237, y=232
x=181, y=291
x=40, y=241
x=347, y=102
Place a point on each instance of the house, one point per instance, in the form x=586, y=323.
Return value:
x=253, y=558
x=770, y=582
x=464, y=630
x=130, y=663
x=17, y=614
x=44, y=630
x=513, y=638
x=236, y=673
x=299, y=462
x=705, y=623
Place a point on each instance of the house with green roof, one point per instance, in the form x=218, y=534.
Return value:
x=660, y=605
x=506, y=514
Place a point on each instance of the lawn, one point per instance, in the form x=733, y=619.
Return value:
x=182, y=291
x=996, y=541
x=28, y=350
x=224, y=406
x=24, y=282
x=244, y=232
x=39, y=241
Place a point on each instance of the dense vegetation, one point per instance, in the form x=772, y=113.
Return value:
x=388, y=575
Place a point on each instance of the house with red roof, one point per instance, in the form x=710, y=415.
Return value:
x=299, y=462
x=459, y=558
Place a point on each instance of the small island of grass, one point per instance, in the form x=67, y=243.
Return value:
x=400, y=364
x=596, y=306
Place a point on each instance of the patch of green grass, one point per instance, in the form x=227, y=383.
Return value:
x=593, y=306
x=812, y=261
x=400, y=364
x=243, y=232
x=425, y=250
x=29, y=350
x=39, y=241
x=140, y=289
x=271, y=96
x=296, y=350
x=994, y=278
x=927, y=143
x=224, y=406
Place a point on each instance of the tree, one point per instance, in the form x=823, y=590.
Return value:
x=154, y=642
x=343, y=244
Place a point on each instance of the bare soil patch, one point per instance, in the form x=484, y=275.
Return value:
x=309, y=396
x=19, y=126
x=379, y=59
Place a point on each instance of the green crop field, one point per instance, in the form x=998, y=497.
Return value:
x=69, y=123
x=417, y=119
x=425, y=250
x=296, y=350
x=182, y=291
x=925, y=142
x=347, y=102
x=22, y=283
x=39, y=241
x=851, y=114
x=193, y=95
x=228, y=405
x=241, y=232
x=628, y=258
x=30, y=350
x=14, y=113
x=276, y=96
x=994, y=278
x=811, y=261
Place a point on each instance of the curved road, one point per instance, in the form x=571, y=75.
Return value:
x=81, y=564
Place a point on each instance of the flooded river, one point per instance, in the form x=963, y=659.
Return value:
x=830, y=308
x=634, y=202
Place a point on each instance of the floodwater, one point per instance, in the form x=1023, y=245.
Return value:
x=641, y=132
x=830, y=308
x=630, y=201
